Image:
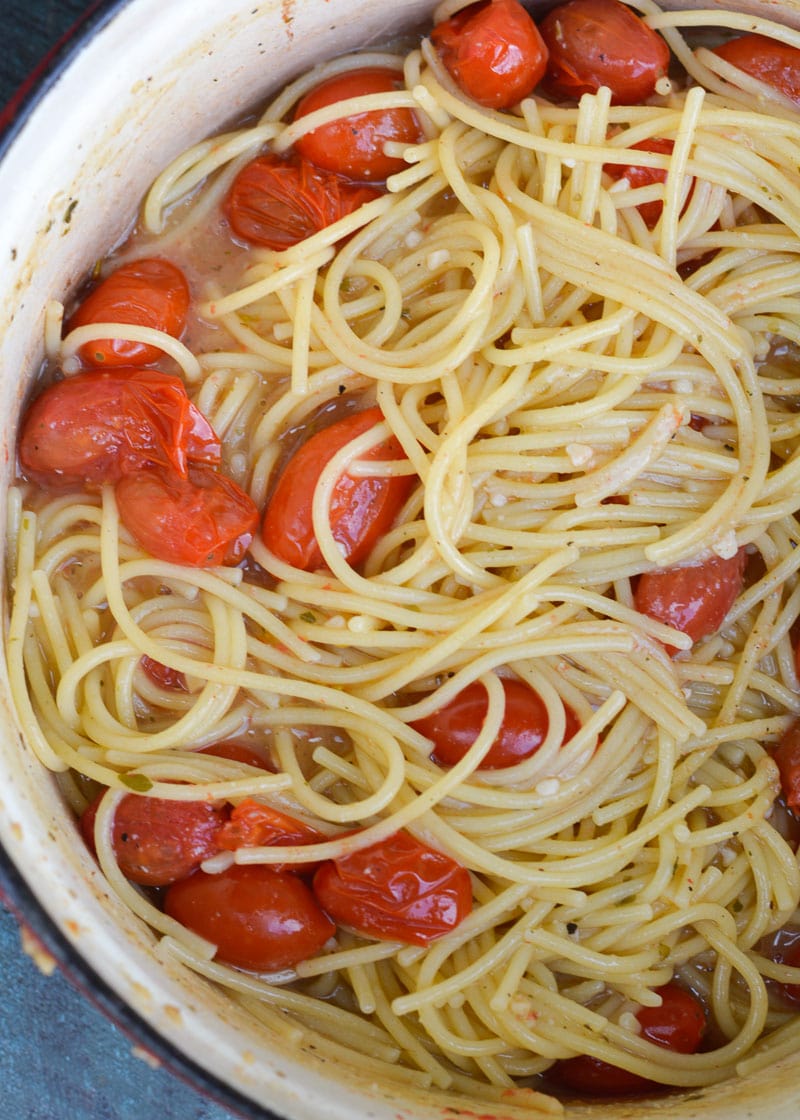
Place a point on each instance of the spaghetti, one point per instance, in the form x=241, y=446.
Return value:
x=580, y=399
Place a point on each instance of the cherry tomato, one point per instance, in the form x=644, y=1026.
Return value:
x=594, y=43
x=157, y=841
x=353, y=146
x=96, y=427
x=253, y=824
x=259, y=918
x=146, y=293
x=677, y=1025
x=776, y=64
x=202, y=521
x=787, y=757
x=455, y=727
x=238, y=752
x=278, y=202
x=644, y=176
x=692, y=598
x=171, y=680
x=361, y=510
x=493, y=51
x=396, y=889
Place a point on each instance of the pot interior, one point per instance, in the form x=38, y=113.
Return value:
x=85, y=156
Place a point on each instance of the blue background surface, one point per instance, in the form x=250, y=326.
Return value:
x=60, y=1058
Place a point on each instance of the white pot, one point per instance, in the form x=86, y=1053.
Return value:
x=149, y=81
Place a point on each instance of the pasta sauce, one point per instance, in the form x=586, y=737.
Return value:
x=405, y=567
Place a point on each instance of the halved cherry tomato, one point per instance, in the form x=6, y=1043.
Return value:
x=96, y=427
x=787, y=756
x=171, y=680
x=396, y=889
x=773, y=63
x=203, y=520
x=252, y=824
x=279, y=202
x=677, y=1025
x=361, y=509
x=692, y=598
x=353, y=146
x=594, y=43
x=151, y=292
x=157, y=841
x=455, y=727
x=644, y=176
x=493, y=51
x=259, y=919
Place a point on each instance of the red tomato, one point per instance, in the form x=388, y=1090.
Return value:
x=96, y=427
x=594, y=43
x=644, y=176
x=692, y=598
x=238, y=752
x=776, y=64
x=353, y=146
x=455, y=727
x=362, y=509
x=146, y=293
x=396, y=889
x=787, y=756
x=677, y=1025
x=278, y=202
x=156, y=841
x=258, y=918
x=203, y=520
x=171, y=680
x=254, y=825
x=493, y=51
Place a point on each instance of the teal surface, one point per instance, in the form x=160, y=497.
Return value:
x=60, y=1058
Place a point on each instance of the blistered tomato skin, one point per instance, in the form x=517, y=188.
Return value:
x=692, y=598
x=773, y=63
x=594, y=43
x=202, y=521
x=98, y=426
x=150, y=292
x=253, y=824
x=454, y=728
x=157, y=841
x=259, y=918
x=493, y=51
x=353, y=146
x=277, y=203
x=677, y=1025
x=398, y=889
x=361, y=509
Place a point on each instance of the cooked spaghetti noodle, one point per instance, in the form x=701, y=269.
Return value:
x=534, y=349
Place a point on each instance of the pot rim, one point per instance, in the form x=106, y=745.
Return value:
x=46, y=72
x=19, y=899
